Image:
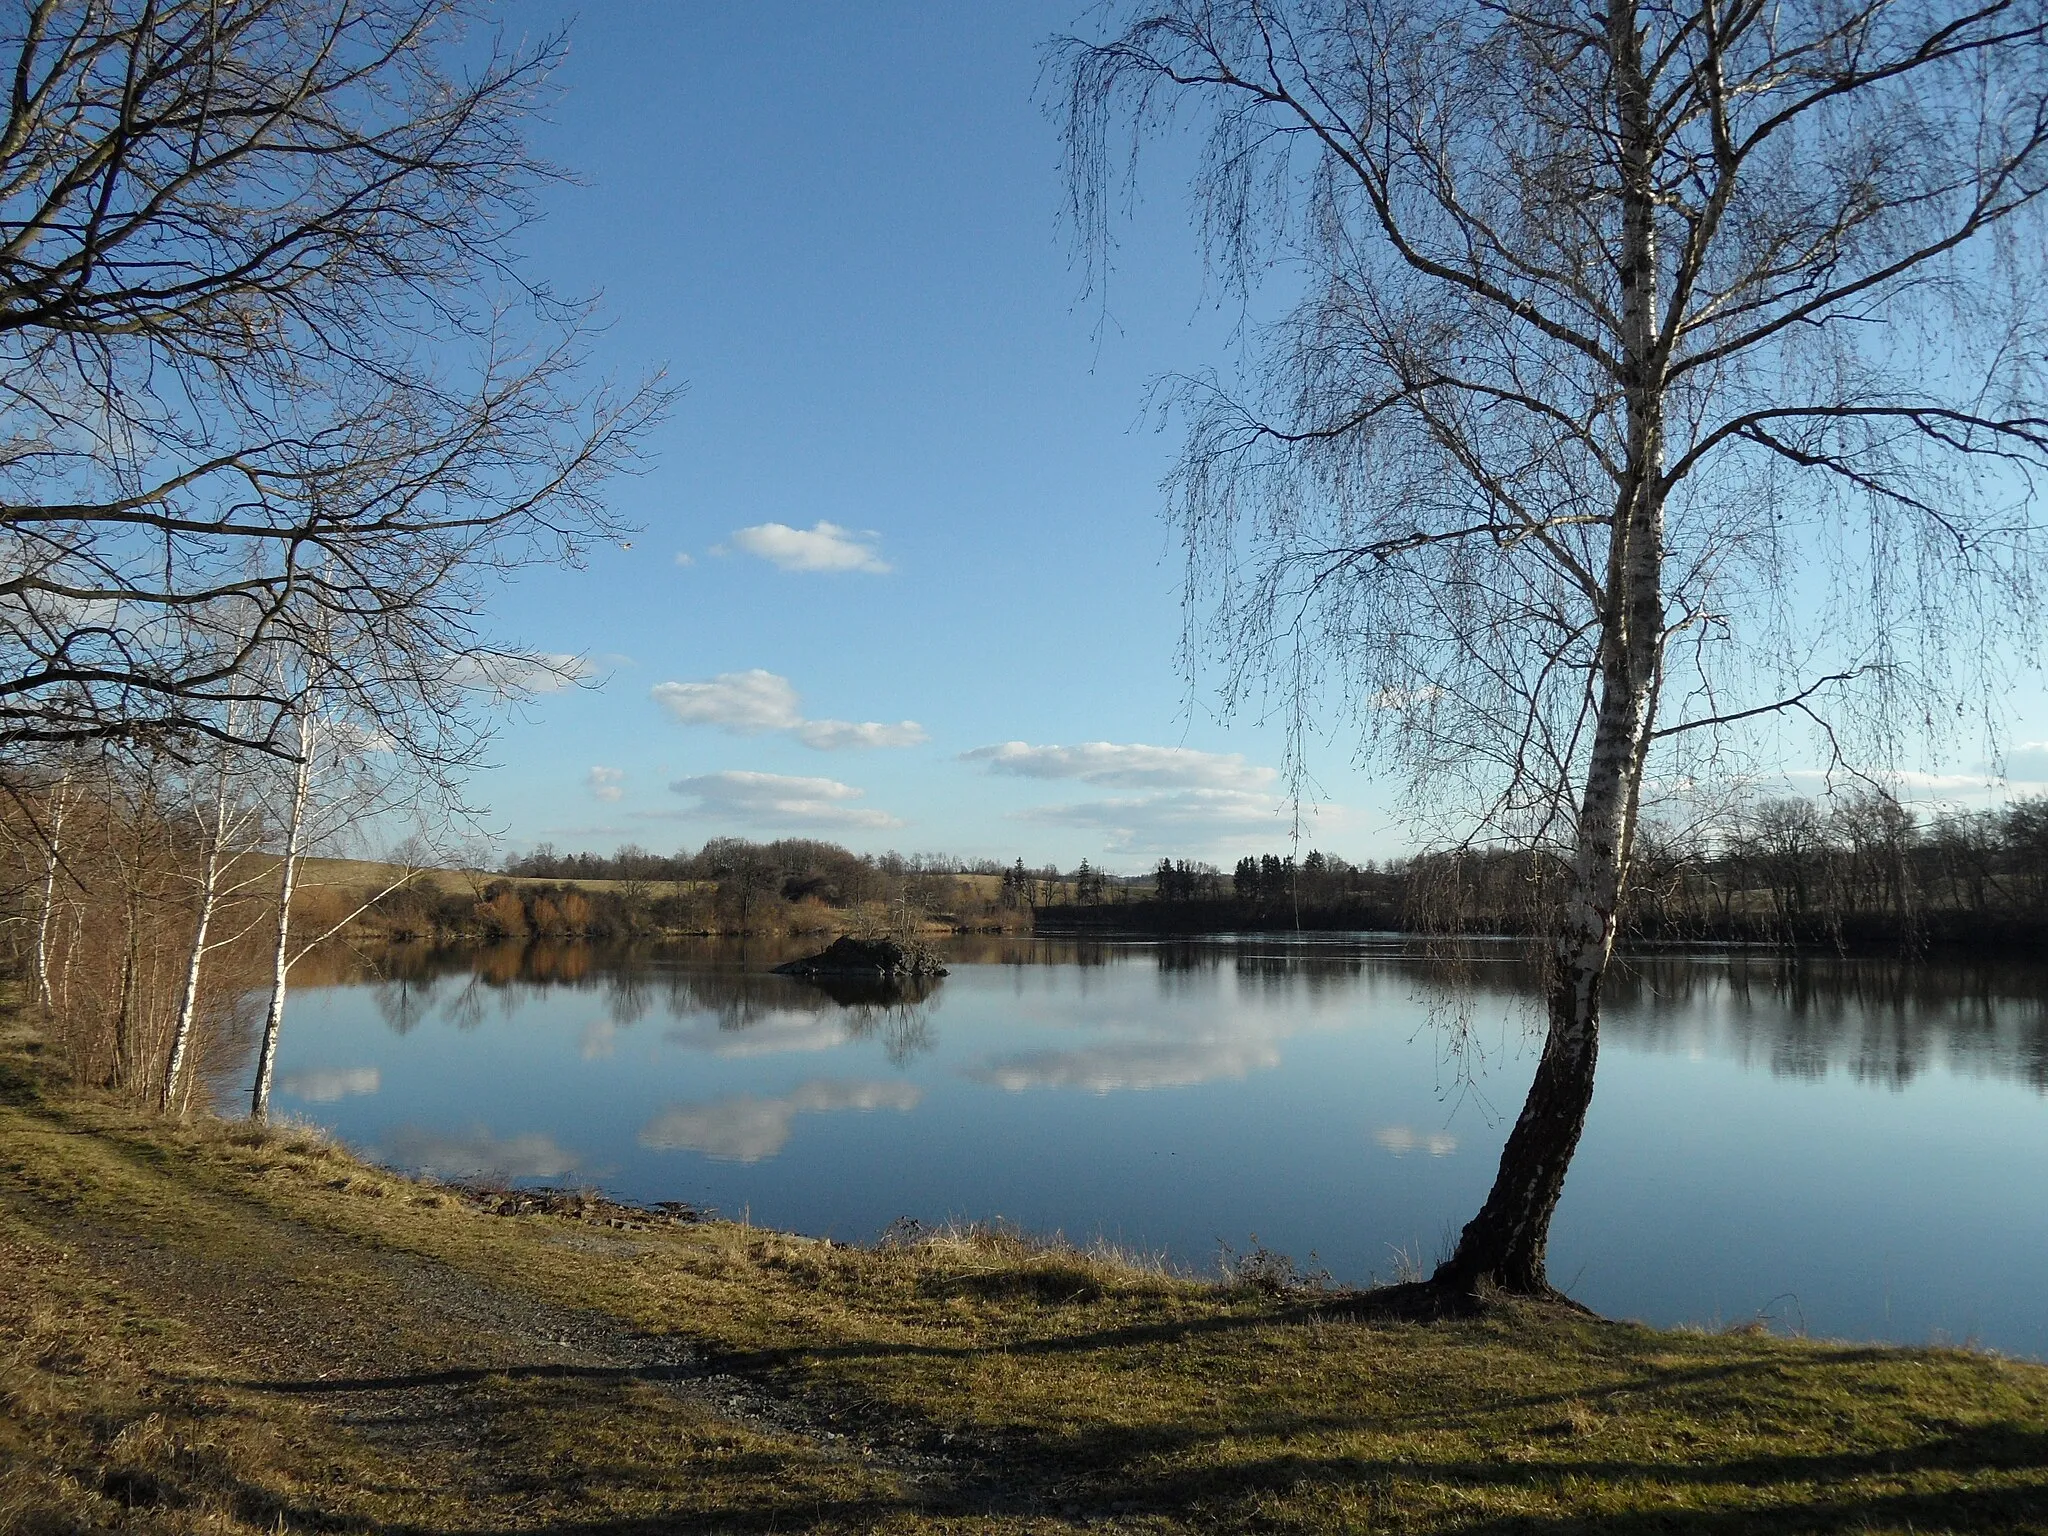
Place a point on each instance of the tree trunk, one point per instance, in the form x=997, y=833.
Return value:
x=280, y=969
x=1505, y=1246
x=51, y=863
x=127, y=1065
x=209, y=893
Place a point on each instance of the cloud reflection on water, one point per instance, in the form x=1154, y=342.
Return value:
x=1130, y=1064
x=531, y=1155
x=324, y=1085
x=767, y=1034
x=746, y=1128
x=1402, y=1139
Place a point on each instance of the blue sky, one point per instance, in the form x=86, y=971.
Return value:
x=901, y=579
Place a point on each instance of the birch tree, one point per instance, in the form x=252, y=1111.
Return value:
x=1658, y=373
x=56, y=807
x=287, y=887
x=226, y=816
x=327, y=788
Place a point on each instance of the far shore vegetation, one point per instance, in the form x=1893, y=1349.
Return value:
x=143, y=935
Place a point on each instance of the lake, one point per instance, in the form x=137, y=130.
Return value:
x=1852, y=1149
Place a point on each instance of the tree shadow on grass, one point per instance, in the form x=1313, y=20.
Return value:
x=1179, y=1470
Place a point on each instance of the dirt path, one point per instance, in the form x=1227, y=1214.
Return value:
x=475, y=1390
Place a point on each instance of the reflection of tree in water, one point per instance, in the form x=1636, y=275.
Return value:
x=736, y=1000
x=898, y=1012
x=405, y=1002
x=628, y=994
x=1884, y=1022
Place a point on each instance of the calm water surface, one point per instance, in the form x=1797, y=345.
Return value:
x=1853, y=1148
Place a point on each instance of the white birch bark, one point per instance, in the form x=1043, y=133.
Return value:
x=1506, y=1243
x=273, y=1019
x=215, y=833
x=52, y=861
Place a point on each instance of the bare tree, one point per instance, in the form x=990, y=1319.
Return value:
x=1659, y=371
x=225, y=813
x=331, y=787
x=56, y=804
x=267, y=370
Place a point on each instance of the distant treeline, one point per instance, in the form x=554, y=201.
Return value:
x=729, y=886
x=1863, y=872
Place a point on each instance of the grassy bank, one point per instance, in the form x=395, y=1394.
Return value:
x=213, y=1329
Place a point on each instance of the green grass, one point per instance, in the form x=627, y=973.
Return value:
x=974, y=1380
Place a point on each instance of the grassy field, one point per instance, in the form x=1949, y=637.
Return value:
x=211, y=1328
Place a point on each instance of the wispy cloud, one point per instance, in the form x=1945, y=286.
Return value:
x=1131, y=764
x=685, y=558
x=1168, y=821
x=838, y=735
x=780, y=800
x=2028, y=761
x=2026, y=773
x=519, y=676
x=821, y=547
x=606, y=784
x=745, y=1129
x=323, y=1085
x=758, y=702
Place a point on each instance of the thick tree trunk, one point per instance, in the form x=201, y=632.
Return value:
x=1505, y=1247
x=280, y=969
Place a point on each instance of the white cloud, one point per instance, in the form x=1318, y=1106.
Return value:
x=821, y=547
x=780, y=800
x=2028, y=762
x=835, y=735
x=324, y=1085
x=607, y=784
x=685, y=558
x=518, y=676
x=1170, y=821
x=2026, y=773
x=1124, y=763
x=1401, y=1140
x=1135, y=1064
x=745, y=1129
x=529, y=1156
x=744, y=703
x=757, y=701
x=357, y=737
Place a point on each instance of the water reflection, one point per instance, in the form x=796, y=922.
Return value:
x=531, y=1155
x=744, y=1128
x=1855, y=1132
x=1882, y=1023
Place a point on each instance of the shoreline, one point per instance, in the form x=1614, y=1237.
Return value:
x=216, y=1327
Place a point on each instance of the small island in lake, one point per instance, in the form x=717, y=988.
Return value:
x=882, y=958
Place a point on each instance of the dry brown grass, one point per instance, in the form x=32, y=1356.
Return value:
x=970, y=1377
